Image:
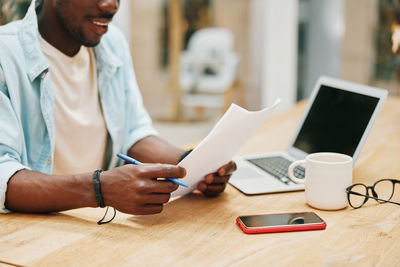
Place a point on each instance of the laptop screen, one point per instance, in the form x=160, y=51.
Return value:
x=336, y=121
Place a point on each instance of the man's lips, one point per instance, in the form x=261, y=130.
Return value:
x=100, y=22
x=100, y=25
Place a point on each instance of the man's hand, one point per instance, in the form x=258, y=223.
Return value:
x=215, y=183
x=136, y=189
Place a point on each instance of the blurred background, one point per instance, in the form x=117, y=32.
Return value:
x=193, y=58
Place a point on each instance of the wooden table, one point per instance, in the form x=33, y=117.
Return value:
x=199, y=231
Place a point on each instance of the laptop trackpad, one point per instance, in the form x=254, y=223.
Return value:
x=251, y=182
x=243, y=173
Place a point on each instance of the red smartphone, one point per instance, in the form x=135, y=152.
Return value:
x=280, y=222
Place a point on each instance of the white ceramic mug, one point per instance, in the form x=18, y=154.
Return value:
x=327, y=175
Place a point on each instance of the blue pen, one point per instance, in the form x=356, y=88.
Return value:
x=136, y=162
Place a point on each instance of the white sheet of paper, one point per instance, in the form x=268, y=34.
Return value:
x=221, y=144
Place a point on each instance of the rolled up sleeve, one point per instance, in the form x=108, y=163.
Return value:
x=10, y=143
x=8, y=167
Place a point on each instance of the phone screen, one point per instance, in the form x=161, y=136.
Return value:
x=287, y=219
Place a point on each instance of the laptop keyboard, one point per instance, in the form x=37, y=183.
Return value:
x=278, y=167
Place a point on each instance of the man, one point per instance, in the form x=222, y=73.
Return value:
x=68, y=103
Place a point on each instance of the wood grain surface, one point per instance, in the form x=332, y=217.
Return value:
x=199, y=231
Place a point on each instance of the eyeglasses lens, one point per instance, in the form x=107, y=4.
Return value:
x=356, y=200
x=384, y=189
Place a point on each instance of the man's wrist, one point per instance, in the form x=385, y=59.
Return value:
x=97, y=188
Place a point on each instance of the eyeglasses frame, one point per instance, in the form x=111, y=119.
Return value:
x=375, y=195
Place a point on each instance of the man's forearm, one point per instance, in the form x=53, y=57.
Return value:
x=156, y=150
x=34, y=192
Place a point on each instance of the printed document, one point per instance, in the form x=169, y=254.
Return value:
x=221, y=144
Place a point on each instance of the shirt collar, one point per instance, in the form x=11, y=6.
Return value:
x=105, y=57
x=36, y=62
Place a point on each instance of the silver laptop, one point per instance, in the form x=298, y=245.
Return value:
x=338, y=118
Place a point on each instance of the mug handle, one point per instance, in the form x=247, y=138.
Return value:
x=290, y=171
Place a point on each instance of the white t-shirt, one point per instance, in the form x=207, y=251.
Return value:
x=80, y=130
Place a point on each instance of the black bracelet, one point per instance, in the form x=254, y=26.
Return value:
x=101, y=221
x=99, y=196
x=187, y=152
x=97, y=188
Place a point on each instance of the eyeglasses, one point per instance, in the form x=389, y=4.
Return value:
x=382, y=191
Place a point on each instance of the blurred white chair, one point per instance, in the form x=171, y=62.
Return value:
x=208, y=69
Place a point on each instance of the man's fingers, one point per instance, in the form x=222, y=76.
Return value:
x=211, y=189
x=158, y=186
x=222, y=175
x=164, y=186
x=155, y=198
x=215, y=179
x=162, y=170
x=151, y=209
x=227, y=169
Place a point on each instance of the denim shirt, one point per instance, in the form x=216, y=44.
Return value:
x=27, y=100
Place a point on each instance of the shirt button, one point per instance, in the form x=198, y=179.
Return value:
x=43, y=75
x=48, y=160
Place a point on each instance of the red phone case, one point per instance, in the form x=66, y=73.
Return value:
x=280, y=228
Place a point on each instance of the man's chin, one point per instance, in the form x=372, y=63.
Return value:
x=90, y=40
x=91, y=44
x=87, y=41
